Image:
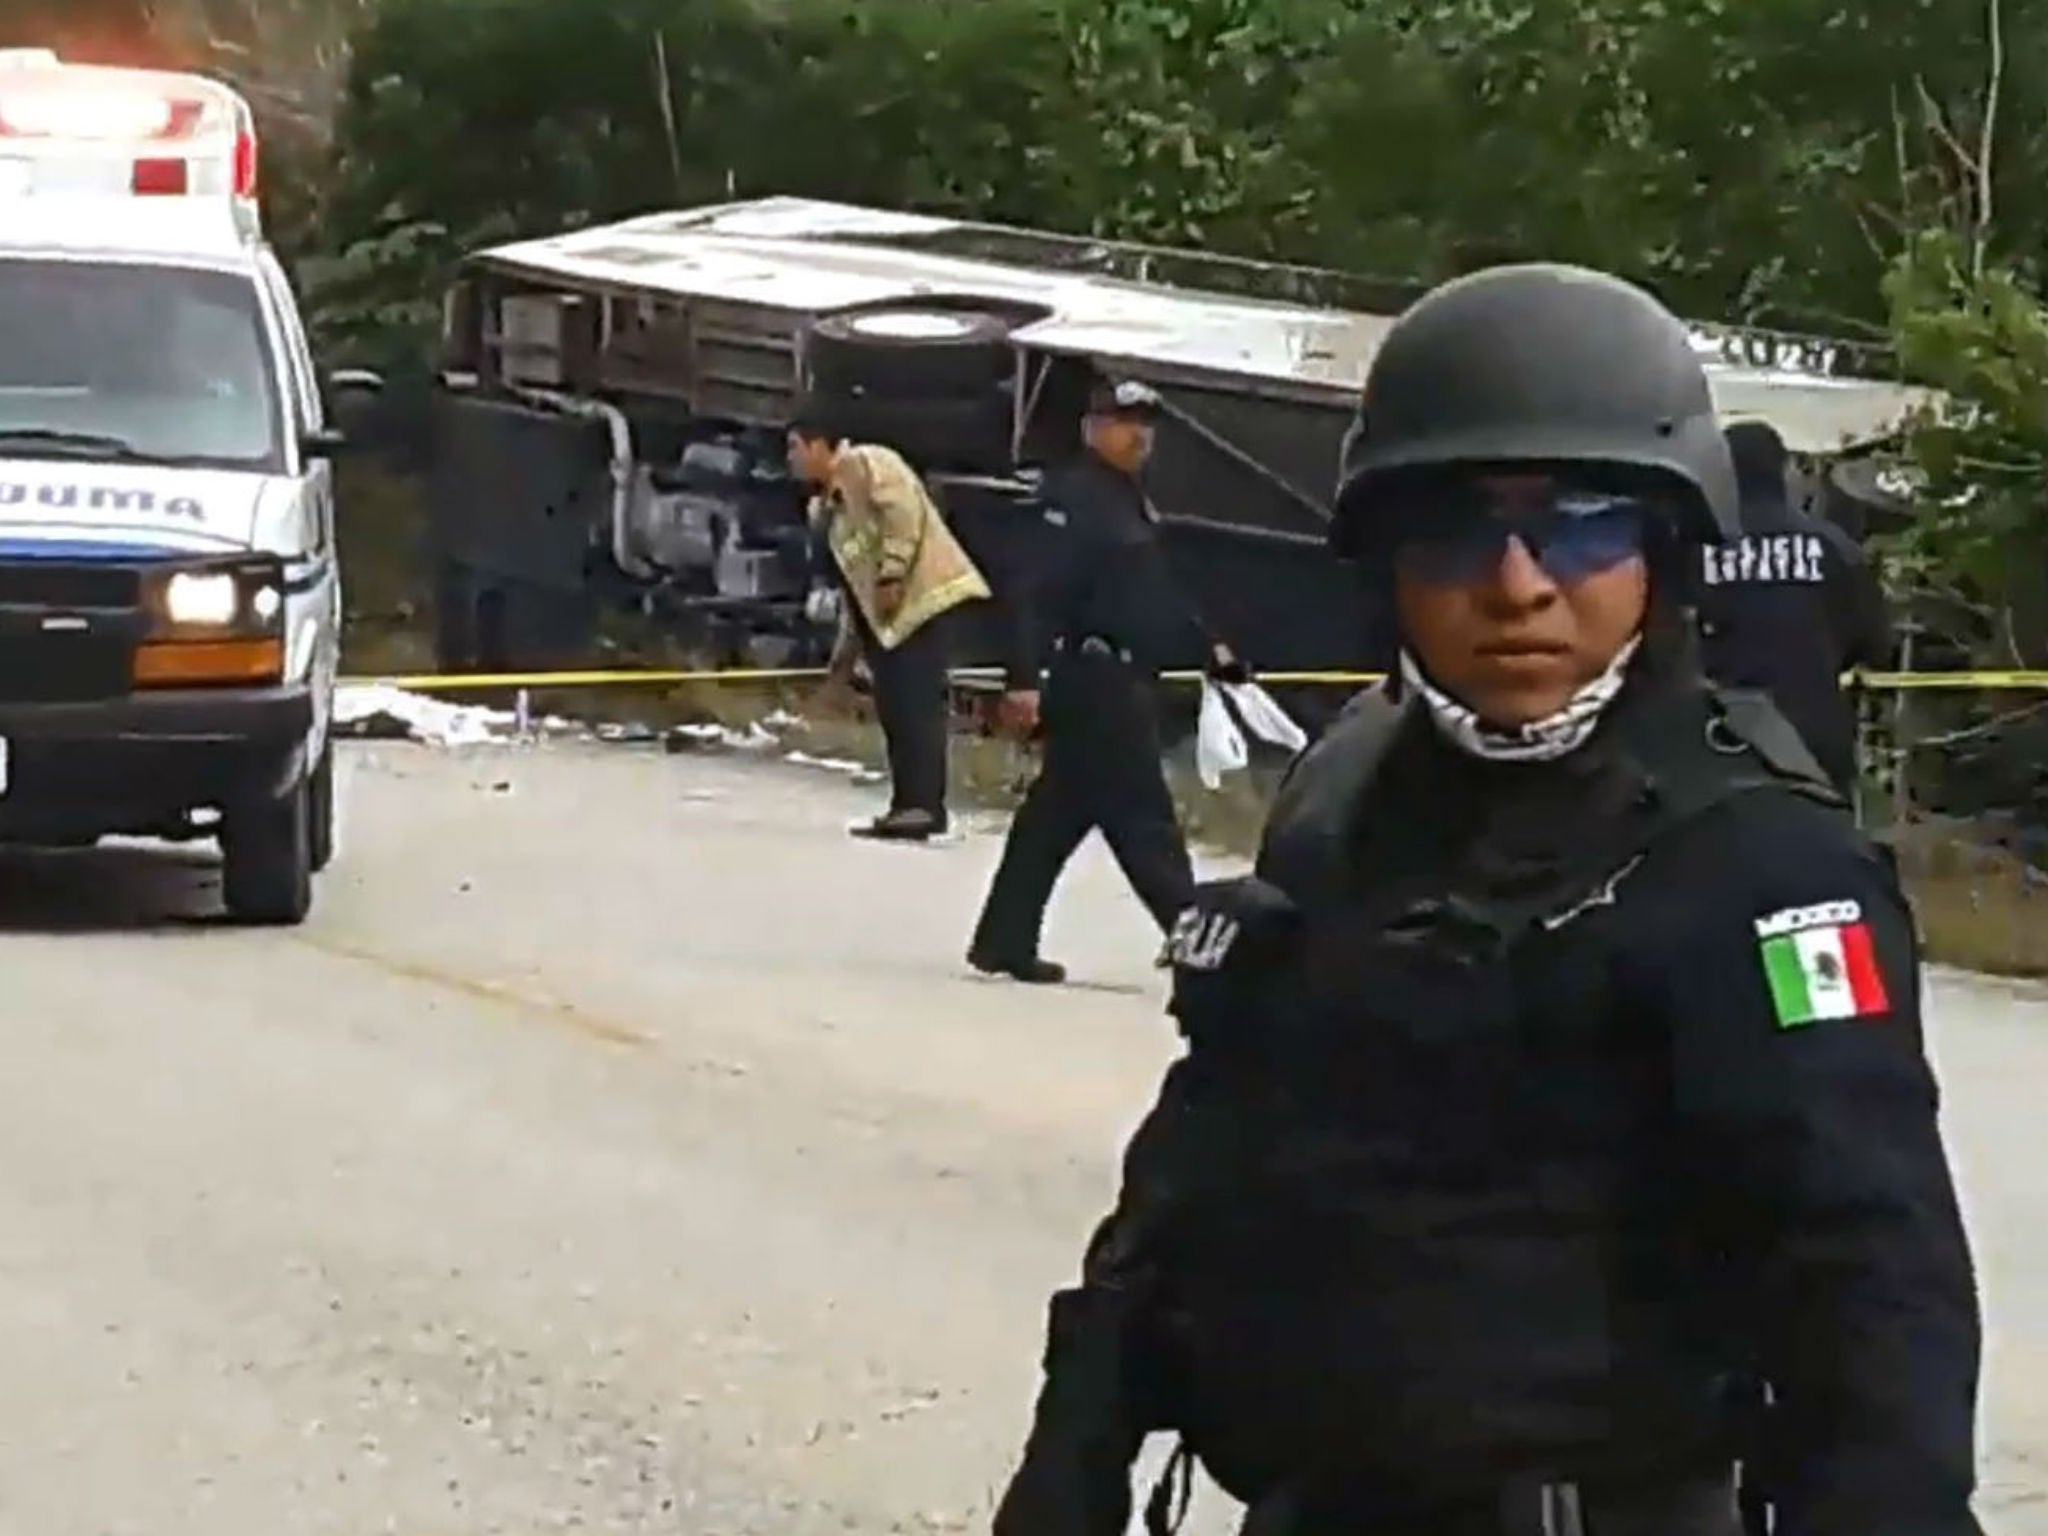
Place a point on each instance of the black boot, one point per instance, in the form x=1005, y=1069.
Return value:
x=1030, y=969
x=903, y=827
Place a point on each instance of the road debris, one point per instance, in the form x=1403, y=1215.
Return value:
x=697, y=736
x=835, y=764
x=381, y=712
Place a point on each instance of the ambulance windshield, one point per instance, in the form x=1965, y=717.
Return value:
x=141, y=364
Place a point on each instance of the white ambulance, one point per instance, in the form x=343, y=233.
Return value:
x=170, y=607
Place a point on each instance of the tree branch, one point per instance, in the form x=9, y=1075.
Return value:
x=664, y=94
x=2027, y=470
x=1938, y=125
x=1994, y=21
x=2012, y=637
x=1899, y=156
x=1989, y=727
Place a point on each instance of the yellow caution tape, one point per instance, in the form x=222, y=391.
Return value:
x=648, y=678
x=1950, y=679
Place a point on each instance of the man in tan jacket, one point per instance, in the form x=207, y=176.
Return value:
x=901, y=571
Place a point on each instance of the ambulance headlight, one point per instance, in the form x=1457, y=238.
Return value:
x=241, y=596
x=210, y=600
x=214, y=624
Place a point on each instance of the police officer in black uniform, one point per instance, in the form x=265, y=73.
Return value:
x=1554, y=1152
x=1111, y=610
x=1791, y=605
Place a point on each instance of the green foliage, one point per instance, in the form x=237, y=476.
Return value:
x=1749, y=160
x=1982, y=338
x=1755, y=161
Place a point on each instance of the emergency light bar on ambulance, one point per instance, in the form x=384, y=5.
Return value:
x=74, y=128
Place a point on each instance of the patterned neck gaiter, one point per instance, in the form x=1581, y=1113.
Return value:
x=1540, y=741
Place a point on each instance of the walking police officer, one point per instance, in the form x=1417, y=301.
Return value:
x=1791, y=605
x=1555, y=1147
x=1112, y=611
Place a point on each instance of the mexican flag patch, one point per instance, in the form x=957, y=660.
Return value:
x=1820, y=964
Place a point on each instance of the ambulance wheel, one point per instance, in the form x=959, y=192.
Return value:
x=267, y=848
x=320, y=790
x=911, y=350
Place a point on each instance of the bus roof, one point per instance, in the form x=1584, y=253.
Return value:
x=1120, y=303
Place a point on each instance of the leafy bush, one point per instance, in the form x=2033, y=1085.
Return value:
x=1981, y=337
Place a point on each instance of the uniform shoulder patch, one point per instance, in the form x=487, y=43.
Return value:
x=1201, y=939
x=1821, y=964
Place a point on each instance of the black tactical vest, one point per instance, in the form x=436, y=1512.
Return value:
x=1689, y=751
x=1402, y=1199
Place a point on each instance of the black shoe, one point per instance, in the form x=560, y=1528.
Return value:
x=903, y=827
x=1032, y=970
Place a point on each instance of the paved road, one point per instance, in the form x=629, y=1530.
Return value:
x=621, y=1148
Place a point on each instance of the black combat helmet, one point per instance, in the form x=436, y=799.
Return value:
x=1538, y=363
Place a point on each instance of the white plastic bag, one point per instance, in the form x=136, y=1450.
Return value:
x=1264, y=718
x=822, y=604
x=1219, y=744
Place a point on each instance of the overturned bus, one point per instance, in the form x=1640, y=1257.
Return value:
x=607, y=431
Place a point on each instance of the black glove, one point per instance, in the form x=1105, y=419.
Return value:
x=1090, y=1422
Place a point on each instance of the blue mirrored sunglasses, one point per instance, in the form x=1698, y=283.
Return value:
x=1460, y=540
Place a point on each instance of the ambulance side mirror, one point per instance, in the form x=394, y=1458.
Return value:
x=326, y=443
x=356, y=401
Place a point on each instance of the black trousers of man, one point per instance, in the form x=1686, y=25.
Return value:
x=1101, y=772
x=911, y=702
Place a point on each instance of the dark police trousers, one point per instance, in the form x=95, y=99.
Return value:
x=911, y=702
x=1101, y=772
